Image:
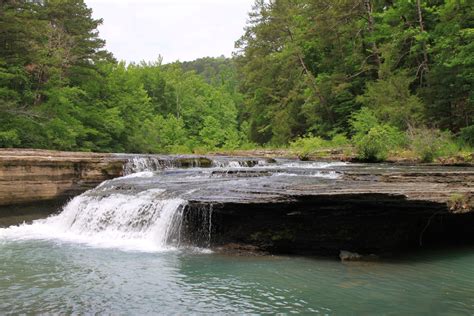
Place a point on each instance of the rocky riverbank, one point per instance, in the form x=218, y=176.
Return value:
x=31, y=176
x=263, y=205
x=34, y=183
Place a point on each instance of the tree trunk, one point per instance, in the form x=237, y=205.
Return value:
x=310, y=75
x=422, y=29
x=371, y=24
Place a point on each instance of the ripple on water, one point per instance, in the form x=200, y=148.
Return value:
x=45, y=277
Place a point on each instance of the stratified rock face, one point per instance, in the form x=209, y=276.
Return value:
x=39, y=175
x=32, y=176
x=326, y=224
x=367, y=209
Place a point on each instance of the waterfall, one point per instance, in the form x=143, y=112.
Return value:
x=147, y=221
x=140, y=164
x=147, y=210
x=242, y=163
x=155, y=163
x=143, y=163
x=229, y=164
x=209, y=234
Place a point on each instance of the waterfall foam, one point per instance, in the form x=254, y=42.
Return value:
x=146, y=221
x=229, y=164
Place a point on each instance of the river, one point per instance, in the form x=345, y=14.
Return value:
x=59, y=277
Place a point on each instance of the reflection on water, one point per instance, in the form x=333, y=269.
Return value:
x=43, y=276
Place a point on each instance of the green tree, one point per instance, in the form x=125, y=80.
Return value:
x=391, y=100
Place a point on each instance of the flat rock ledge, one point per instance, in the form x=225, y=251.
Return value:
x=369, y=209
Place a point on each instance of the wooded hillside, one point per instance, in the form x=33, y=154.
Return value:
x=393, y=71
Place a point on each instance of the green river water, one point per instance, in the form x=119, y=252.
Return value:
x=59, y=277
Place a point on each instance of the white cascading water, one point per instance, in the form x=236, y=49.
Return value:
x=145, y=222
x=236, y=163
x=141, y=164
x=149, y=163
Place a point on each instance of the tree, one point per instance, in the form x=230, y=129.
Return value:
x=450, y=96
x=391, y=99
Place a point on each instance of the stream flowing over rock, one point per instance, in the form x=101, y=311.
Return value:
x=278, y=206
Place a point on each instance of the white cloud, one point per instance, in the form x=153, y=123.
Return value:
x=178, y=29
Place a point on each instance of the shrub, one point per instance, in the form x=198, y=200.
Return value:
x=460, y=203
x=363, y=120
x=178, y=149
x=430, y=144
x=373, y=140
x=376, y=144
x=9, y=139
x=306, y=145
x=199, y=150
x=339, y=140
x=467, y=136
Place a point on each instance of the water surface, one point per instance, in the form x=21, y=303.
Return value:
x=59, y=277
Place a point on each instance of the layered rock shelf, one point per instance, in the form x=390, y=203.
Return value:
x=266, y=205
x=31, y=176
x=35, y=183
x=28, y=176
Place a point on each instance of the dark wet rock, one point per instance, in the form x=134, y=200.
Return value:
x=369, y=209
x=235, y=249
x=345, y=256
x=28, y=212
x=324, y=224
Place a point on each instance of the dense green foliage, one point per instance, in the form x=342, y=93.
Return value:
x=385, y=74
x=59, y=89
x=308, y=65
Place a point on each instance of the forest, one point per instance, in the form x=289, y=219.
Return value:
x=375, y=76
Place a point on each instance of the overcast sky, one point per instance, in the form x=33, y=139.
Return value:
x=177, y=29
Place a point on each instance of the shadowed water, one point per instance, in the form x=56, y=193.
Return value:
x=45, y=276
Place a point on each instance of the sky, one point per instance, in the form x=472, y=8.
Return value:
x=176, y=29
